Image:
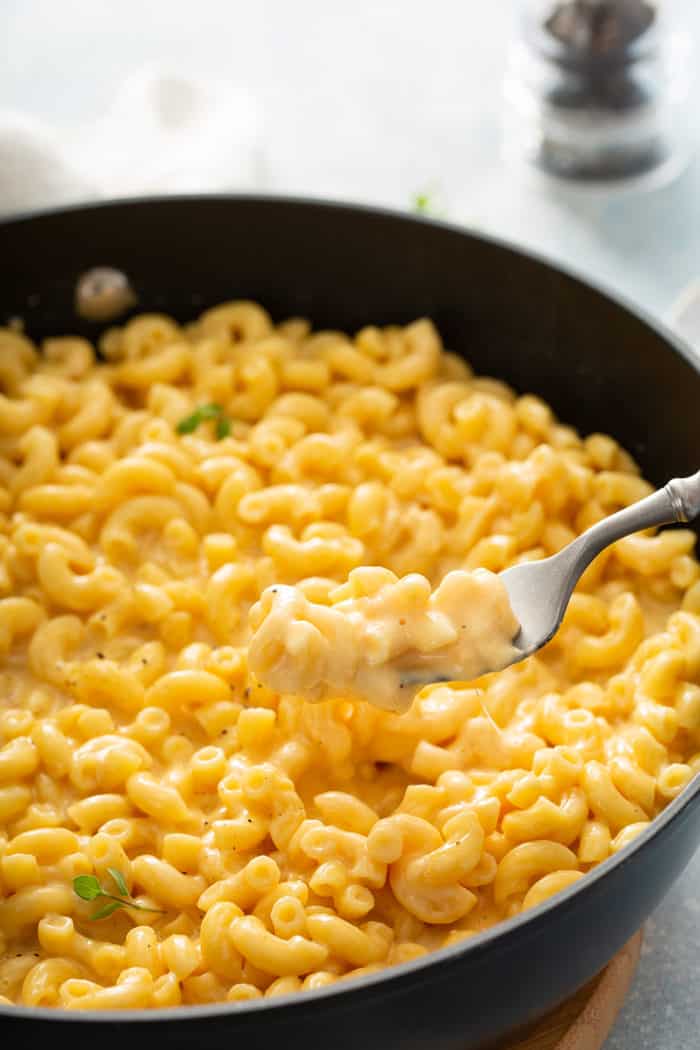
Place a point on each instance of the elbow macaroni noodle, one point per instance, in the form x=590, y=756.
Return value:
x=284, y=846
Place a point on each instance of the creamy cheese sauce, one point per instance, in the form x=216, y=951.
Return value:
x=383, y=638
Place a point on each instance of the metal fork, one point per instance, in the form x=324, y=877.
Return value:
x=539, y=591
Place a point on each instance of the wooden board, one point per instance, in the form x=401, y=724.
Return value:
x=584, y=1021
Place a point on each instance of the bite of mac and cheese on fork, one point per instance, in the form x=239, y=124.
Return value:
x=382, y=639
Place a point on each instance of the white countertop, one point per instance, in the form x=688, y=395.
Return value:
x=375, y=101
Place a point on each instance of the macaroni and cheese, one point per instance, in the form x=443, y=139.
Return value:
x=148, y=497
x=382, y=639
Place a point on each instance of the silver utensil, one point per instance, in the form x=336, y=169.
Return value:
x=539, y=591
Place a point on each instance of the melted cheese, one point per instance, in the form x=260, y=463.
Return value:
x=385, y=646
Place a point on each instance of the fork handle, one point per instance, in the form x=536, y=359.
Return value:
x=677, y=501
x=684, y=494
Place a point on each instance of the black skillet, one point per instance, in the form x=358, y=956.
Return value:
x=601, y=366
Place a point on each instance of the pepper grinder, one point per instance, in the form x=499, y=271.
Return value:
x=595, y=90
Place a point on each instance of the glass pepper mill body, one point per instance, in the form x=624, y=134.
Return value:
x=596, y=89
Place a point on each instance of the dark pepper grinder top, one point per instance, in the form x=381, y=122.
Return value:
x=595, y=83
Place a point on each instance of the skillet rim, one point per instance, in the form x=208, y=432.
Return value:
x=383, y=981
x=549, y=261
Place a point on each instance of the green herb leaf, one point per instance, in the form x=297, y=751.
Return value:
x=421, y=203
x=223, y=427
x=120, y=881
x=188, y=424
x=107, y=910
x=210, y=411
x=87, y=887
x=144, y=907
x=200, y=415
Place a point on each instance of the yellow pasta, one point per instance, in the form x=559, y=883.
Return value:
x=261, y=845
